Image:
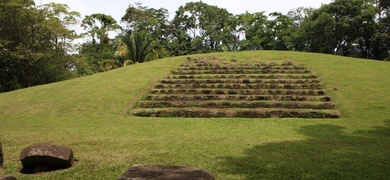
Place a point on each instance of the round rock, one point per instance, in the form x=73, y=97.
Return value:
x=46, y=157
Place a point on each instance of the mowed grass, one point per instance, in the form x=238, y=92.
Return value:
x=90, y=114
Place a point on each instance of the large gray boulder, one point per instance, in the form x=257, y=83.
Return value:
x=158, y=172
x=46, y=157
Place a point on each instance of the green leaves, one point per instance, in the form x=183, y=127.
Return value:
x=208, y=27
x=34, y=42
x=343, y=27
x=98, y=26
x=137, y=47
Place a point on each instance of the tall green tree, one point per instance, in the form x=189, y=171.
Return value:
x=344, y=27
x=252, y=27
x=279, y=32
x=381, y=38
x=209, y=28
x=138, y=47
x=59, y=16
x=33, y=43
x=98, y=26
x=99, y=50
x=143, y=19
x=299, y=15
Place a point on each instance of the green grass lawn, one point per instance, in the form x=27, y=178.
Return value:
x=90, y=114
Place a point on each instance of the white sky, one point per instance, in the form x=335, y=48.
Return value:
x=117, y=8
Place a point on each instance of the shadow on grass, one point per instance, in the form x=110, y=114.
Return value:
x=329, y=153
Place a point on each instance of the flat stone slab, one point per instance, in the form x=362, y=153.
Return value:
x=159, y=172
x=46, y=157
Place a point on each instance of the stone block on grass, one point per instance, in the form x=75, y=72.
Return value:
x=159, y=172
x=46, y=157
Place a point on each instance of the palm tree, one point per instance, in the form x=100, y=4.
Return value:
x=138, y=47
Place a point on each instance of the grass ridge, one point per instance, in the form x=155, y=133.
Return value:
x=87, y=114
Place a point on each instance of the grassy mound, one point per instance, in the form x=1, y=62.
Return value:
x=90, y=114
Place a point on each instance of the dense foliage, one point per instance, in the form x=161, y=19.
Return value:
x=37, y=42
x=33, y=43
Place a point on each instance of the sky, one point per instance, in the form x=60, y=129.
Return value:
x=117, y=8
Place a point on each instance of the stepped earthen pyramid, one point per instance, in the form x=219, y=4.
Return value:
x=212, y=87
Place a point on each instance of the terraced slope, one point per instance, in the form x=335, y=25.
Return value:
x=210, y=87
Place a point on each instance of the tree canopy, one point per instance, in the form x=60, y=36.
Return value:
x=33, y=43
x=37, y=43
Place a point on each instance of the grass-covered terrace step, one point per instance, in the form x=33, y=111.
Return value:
x=242, y=68
x=241, y=113
x=221, y=63
x=244, y=81
x=240, y=92
x=242, y=71
x=237, y=104
x=250, y=76
x=239, y=86
x=220, y=88
x=236, y=98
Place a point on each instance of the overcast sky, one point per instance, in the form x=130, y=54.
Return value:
x=117, y=8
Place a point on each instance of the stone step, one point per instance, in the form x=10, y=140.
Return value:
x=236, y=98
x=266, y=71
x=245, y=76
x=240, y=92
x=242, y=68
x=237, y=104
x=238, y=86
x=244, y=81
x=219, y=63
x=239, y=113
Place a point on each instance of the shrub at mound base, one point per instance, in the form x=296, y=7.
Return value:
x=46, y=157
x=158, y=172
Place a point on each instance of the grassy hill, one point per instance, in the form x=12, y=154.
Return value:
x=90, y=114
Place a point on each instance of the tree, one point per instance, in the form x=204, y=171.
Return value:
x=252, y=26
x=279, y=29
x=261, y=33
x=155, y=21
x=344, y=27
x=381, y=38
x=28, y=36
x=208, y=28
x=59, y=16
x=100, y=50
x=138, y=47
x=98, y=26
x=299, y=16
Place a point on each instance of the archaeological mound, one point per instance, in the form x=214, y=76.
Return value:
x=212, y=87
